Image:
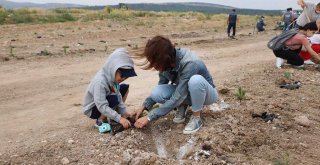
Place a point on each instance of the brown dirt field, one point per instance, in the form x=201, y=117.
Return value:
x=41, y=120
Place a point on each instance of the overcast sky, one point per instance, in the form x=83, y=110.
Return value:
x=252, y=4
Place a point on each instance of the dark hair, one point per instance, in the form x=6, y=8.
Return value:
x=309, y=26
x=318, y=5
x=233, y=9
x=158, y=53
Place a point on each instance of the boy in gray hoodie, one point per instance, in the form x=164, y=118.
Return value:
x=105, y=95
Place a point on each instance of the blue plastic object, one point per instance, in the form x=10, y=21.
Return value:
x=104, y=127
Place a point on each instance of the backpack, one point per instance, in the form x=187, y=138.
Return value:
x=277, y=42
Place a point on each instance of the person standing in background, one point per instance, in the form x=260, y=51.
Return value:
x=232, y=23
x=287, y=18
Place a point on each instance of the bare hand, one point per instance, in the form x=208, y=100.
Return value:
x=139, y=112
x=127, y=115
x=125, y=123
x=140, y=123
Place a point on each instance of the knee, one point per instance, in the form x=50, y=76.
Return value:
x=156, y=94
x=195, y=82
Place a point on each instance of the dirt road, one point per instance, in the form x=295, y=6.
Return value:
x=41, y=100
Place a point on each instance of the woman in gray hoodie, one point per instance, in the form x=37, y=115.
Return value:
x=105, y=95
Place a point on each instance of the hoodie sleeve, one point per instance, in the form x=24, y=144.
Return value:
x=99, y=95
x=121, y=106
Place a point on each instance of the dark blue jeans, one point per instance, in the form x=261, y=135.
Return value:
x=233, y=26
x=112, y=99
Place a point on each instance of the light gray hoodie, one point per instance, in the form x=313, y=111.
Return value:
x=100, y=86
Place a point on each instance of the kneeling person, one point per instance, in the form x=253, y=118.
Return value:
x=191, y=84
x=105, y=95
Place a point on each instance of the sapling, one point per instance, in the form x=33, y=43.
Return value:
x=65, y=49
x=287, y=75
x=11, y=50
x=241, y=93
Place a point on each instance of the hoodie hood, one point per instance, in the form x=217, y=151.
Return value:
x=119, y=58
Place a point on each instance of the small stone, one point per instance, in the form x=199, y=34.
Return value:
x=303, y=145
x=126, y=157
x=303, y=121
x=71, y=141
x=274, y=128
x=65, y=160
x=91, y=164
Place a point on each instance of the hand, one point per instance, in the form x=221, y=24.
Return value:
x=125, y=123
x=127, y=115
x=140, y=123
x=138, y=112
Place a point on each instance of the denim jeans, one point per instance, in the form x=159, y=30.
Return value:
x=286, y=27
x=200, y=93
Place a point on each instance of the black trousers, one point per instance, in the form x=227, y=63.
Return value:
x=112, y=99
x=233, y=26
x=292, y=56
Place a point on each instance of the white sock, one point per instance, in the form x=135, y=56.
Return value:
x=279, y=62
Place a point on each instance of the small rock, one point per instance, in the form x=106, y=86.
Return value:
x=65, y=160
x=303, y=121
x=224, y=90
x=303, y=145
x=70, y=141
x=126, y=157
x=6, y=58
x=91, y=164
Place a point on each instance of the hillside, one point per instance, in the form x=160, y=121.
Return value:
x=193, y=6
x=173, y=7
x=15, y=5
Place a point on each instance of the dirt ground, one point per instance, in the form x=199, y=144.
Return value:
x=41, y=91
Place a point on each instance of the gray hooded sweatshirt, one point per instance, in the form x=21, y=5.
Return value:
x=100, y=86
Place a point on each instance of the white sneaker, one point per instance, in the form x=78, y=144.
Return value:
x=279, y=62
x=193, y=126
x=309, y=62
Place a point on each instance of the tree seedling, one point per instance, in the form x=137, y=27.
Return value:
x=241, y=94
x=11, y=50
x=45, y=52
x=287, y=75
x=65, y=49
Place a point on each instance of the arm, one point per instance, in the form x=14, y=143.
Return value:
x=302, y=3
x=180, y=93
x=318, y=24
x=228, y=20
x=315, y=56
x=102, y=104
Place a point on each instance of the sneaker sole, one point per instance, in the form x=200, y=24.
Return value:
x=191, y=132
x=179, y=121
